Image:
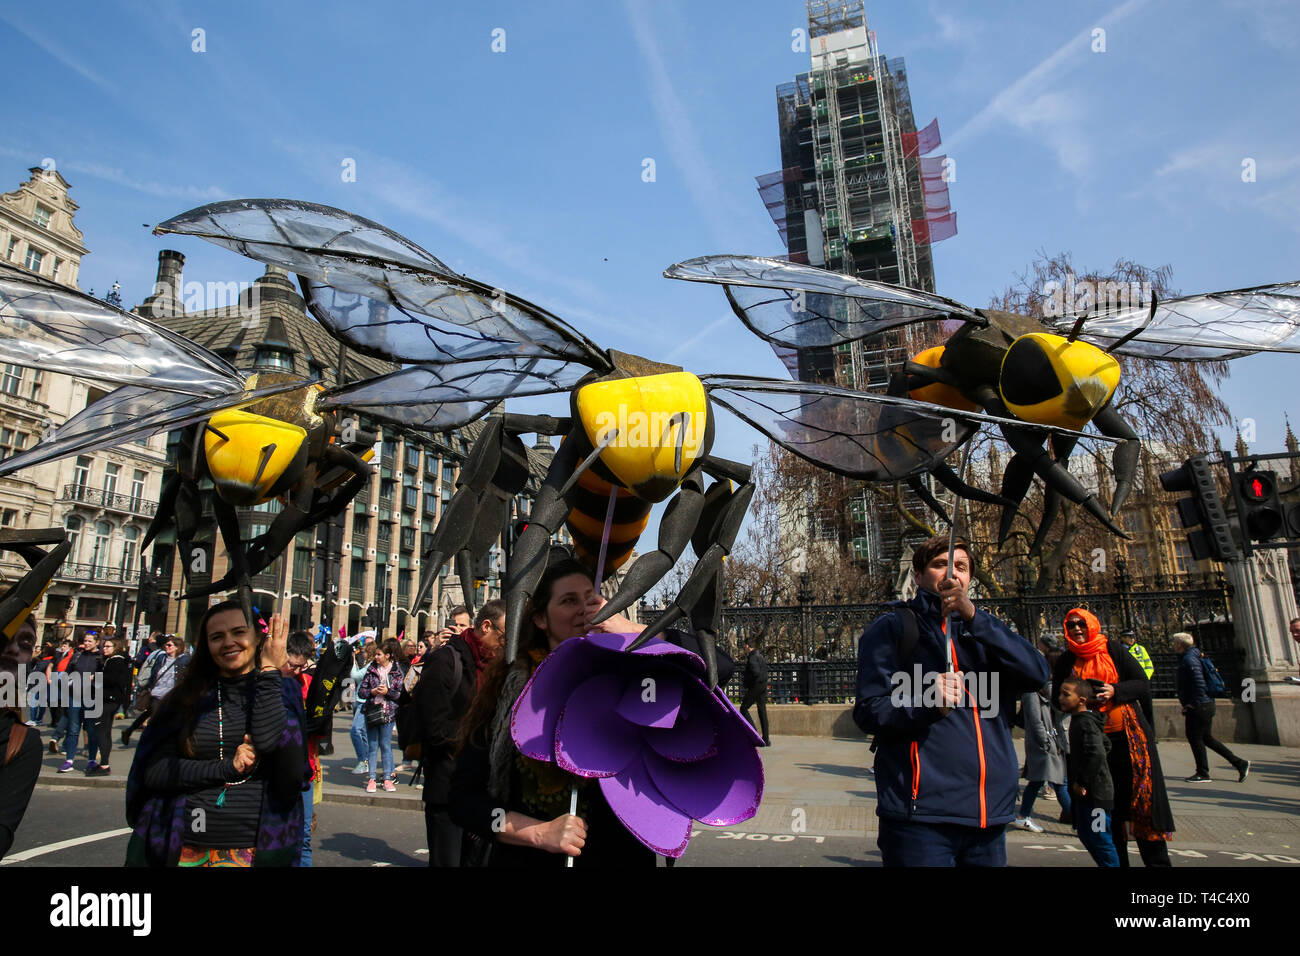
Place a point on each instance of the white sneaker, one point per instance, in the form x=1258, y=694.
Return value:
x=1025, y=823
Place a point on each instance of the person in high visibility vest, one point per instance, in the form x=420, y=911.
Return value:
x=1140, y=655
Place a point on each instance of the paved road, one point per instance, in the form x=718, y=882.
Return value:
x=818, y=810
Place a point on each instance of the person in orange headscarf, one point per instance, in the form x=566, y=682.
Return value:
x=1141, y=802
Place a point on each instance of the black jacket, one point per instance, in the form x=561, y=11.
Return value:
x=1087, y=759
x=117, y=680
x=756, y=671
x=1191, y=679
x=442, y=701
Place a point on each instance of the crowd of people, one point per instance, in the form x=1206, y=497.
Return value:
x=227, y=769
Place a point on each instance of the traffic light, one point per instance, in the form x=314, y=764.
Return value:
x=1204, y=508
x=1261, y=516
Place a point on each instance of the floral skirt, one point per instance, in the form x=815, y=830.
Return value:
x=202, y=856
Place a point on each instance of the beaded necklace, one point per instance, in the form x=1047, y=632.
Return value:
x=221, y=746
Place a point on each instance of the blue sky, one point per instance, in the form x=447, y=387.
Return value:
x=523, y=168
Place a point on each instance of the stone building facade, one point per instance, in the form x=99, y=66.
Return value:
x=104, y=499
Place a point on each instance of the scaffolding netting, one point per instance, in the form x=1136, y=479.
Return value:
x=771, y=189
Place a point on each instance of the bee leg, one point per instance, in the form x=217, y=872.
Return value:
x=238, y=574
x=931, y=502
x=1016, y=479
x=529, y=558
x=1051, y=508
x=1125, y=460
x=496, y=470
x=1061, y=449
x=680, y=520
x=1030, y=444
x=465, y=571
x=724, y=511
x=952, y=481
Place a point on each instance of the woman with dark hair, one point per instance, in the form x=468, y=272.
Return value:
x=1141, y=802
x=491, y=775
x=116, y=691
x=379, y=691
x=218, y=776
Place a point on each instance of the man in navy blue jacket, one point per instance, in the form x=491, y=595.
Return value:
x=946, y=771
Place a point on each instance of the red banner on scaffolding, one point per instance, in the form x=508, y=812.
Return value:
x=936, y=229
x=922, y=142
x=934, y=185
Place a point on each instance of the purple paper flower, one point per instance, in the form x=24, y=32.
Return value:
x=666, y=750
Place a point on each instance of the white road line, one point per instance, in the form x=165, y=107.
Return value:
x=62, y=845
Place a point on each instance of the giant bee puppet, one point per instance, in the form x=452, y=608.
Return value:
x=255, y=437
x=639, y=432
x=1009, y=365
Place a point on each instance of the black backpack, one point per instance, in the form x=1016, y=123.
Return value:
x=907, y=642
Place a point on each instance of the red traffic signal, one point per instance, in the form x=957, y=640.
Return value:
x=1261, y=509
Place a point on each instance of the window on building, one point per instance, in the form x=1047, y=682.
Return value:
x=94, y=609
x=8, y=518
x=273, y=358
x=110, y=479
x=408, y=539
x=42, y=216
x=448, y=474
x=11, y=379
x=410, y=497
x=99, y=554
x=137, y=488
x=12, y=441
x=357, y=578
x=301, y=564
x=34, y=259
x=386, y=488
x=1183, y=557
x=130, y=547
x=13, y=247
x=388, y=448
x=81, y=473
x=58, y=265
x=383, y=535
x=73, y=527
x=403, y=582
x=38, y=379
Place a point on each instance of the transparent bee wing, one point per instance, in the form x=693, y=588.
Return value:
x=390, y=298
x=128, y=413
x=51, y=327
x=1199, y=328
x=431, y=417
x=801, y=306
x=490, y=380
x=286, y=232
x=859, y=435
x=411, y=316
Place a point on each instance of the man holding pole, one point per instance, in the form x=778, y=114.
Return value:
x=937, y=685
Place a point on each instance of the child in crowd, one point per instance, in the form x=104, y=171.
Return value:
x=1088, y=772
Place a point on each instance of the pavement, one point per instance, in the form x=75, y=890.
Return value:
x=822, y=787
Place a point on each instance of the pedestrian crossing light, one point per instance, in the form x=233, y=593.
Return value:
x=1213, y=539
x=1262, y=516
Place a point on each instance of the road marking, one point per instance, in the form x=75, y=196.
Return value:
x=62, y=845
